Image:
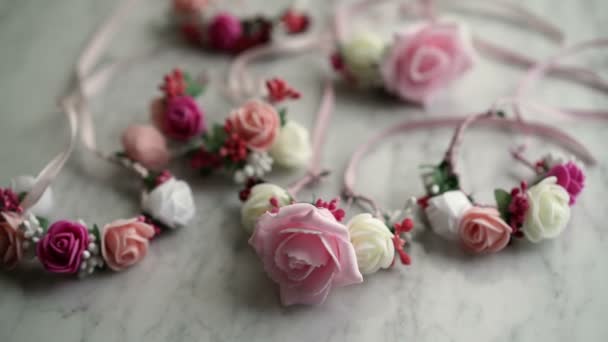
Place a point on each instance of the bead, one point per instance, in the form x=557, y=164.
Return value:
x=28, y=234
x=434, y=189
x=91, y=246
x=35, y=239
x=86, y=254
x=92, y=237
x=39, y=230
x=83, y=266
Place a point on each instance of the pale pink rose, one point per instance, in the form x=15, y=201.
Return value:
x=306, y=251
x=482, y=230
x=11, y=240
x=426, y=58
x=257, y=123
x=125, y=243
x=146, y=145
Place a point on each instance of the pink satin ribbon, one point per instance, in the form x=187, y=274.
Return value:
x=74, y=105
x=315, y=172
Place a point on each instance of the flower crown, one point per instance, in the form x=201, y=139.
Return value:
x=252, y=139
x=307, y=249
x=537, y=210
x=223, y=31
x=73, y=247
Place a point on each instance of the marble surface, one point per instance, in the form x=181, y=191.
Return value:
x=204, y=283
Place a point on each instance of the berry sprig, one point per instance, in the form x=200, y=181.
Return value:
x=9, y=201
x=333, y=207
x=279, y=90
x=405, y=226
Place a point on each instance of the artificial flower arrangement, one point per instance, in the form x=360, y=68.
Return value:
x=203, y=25
x=252, y=138
x=538, y=210
x=421, y=60
x=307, y=249
x=76, y=248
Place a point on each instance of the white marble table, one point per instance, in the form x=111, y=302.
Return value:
x=205, y=284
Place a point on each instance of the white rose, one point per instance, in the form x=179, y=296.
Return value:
x=259, y=202
x=444, y=212
x=170, y=203
x=362, y=55
x=45, y=204
x=549, y=211
x=292, y=146
x=373, y=243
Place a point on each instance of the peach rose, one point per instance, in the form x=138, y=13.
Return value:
x=482, y=230
x=257, y=123
x=146, y=145
x=125, y=242
x=11, y=241
x=426, y=58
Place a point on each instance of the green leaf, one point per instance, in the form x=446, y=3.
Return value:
x=193, y=88
x=503, y=199
x=283, y=116
x=97, y=233
x=44, y=222
x=22, y=196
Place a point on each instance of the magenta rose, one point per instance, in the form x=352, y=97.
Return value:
x=426, y=58
x=180, y=118
x=224, y=31
x=60, y=250
x=570, y=177
x=306, y=251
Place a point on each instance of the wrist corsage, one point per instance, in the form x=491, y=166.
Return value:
x=202, y=24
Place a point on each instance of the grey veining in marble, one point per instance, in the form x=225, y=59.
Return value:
x=204, y=283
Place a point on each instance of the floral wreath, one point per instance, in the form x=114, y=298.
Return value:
x=536, y=210
x=426, y=56
x=222, y=31
x=72, y=246
x=252, y=139
x=304, y=246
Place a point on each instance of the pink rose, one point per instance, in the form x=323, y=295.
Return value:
x=178, y=117
x=426, y=58
x=257, y=123
x=224, y=31
x=124, y=243
x=60, y=250
x=570, y=177
x=11, y=241
x=306, y=251
x=146, y=145
x=482, y=230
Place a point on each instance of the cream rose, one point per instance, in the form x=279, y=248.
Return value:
x=373, y=243
x=362, y=55
x=259, y=202
x=549, y=210
x=170, y=203
x=292, y=147
x=444, y=212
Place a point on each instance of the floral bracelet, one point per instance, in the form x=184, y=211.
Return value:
x=73, y=247
x=536, y=210
x=307, y=249
x=252, y=138
x=222, y=31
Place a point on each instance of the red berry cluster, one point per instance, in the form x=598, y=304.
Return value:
x=279, y=90
x=174, y=84
x=257, y=31
x=295, y=21
x=234, y=148
x=251, y=182
x=332, y=206
x=203, y=159
x=9, y=201
x=517, y=208
x=405, y=226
